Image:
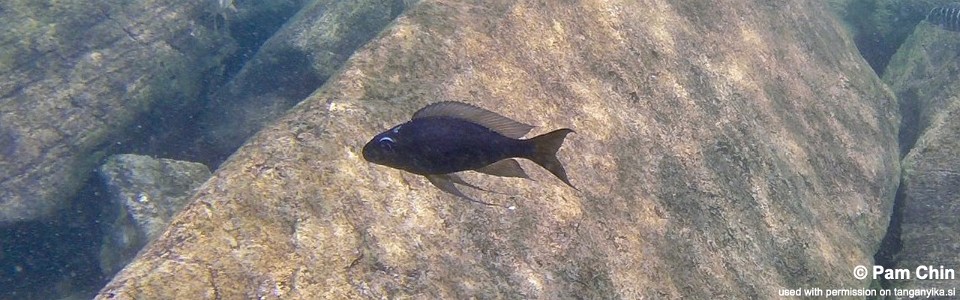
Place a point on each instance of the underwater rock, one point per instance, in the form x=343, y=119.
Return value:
x=921, y=74
x=925, y=74
x=879, y=27
x=289, y=66
x=724, y=149
x=75, y=76
x=144, y=193
x=930, y=229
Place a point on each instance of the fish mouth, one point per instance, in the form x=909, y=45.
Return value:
x=369, y=154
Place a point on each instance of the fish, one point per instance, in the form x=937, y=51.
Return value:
x=946, y=16
x=447, y=137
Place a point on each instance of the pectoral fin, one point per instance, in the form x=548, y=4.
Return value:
x=448, y=182
x=504, y=168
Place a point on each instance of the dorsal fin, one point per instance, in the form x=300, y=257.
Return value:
x=483, y=117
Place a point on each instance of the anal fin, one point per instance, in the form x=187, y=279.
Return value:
x=447, y=183
x=504, y=168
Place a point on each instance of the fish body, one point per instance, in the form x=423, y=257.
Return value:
x=946, y=16
x=442, y=145
x=448, y=137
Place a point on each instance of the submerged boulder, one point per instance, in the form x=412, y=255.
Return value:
x=75, y=75
x=929, y=227
x=925, y=74
x=724, y=149
x=289, y=66
x=144, y=193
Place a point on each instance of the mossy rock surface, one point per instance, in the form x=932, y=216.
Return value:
x=925, y=74
x=75, y=76
x=290, y=65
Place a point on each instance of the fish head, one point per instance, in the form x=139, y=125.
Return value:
x=383, y=149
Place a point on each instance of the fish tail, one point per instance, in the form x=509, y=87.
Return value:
x=545, y=149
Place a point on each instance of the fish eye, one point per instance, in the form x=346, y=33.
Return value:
x=386, y=142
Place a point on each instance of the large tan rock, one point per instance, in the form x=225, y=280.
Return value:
x=723, y=150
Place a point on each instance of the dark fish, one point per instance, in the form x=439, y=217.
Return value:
x=947, y=16
x=447, y=137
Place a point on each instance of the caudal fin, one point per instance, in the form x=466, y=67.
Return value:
x=545, y=149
